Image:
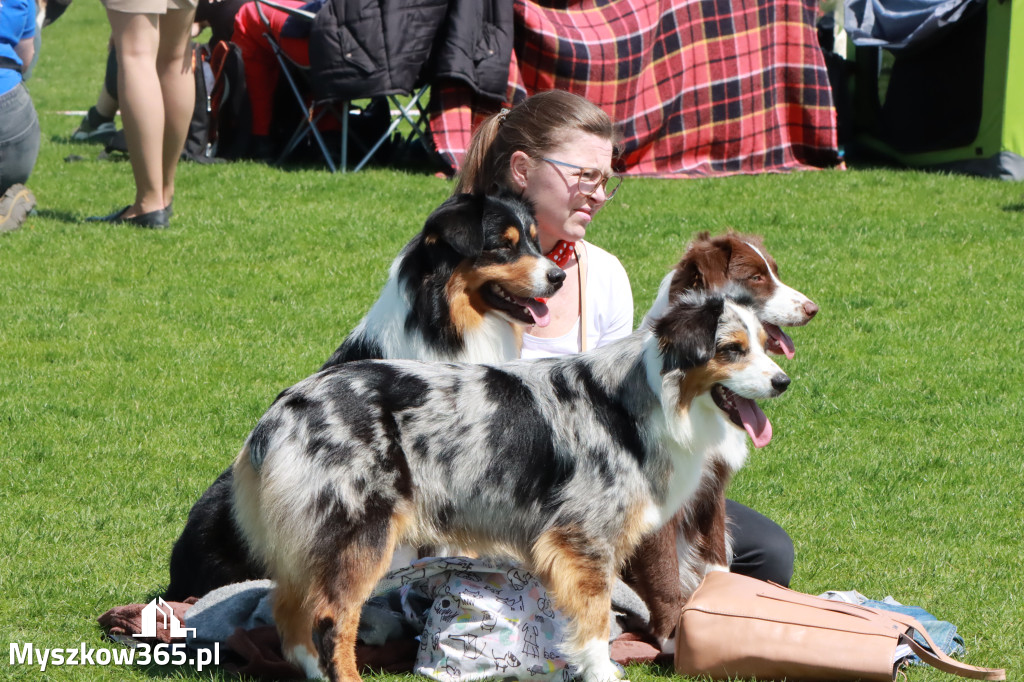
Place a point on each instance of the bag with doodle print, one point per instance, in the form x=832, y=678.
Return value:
x=487, y=621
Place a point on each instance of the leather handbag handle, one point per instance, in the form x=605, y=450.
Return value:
x=937, y=659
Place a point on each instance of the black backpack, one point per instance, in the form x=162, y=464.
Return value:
x=230, y=111
x=200, y=142
x=221, y=119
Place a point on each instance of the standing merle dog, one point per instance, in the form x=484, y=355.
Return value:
x=564, y=463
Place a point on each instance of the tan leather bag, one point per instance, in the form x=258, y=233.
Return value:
x=738, y=627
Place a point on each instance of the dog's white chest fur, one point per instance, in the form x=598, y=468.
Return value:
x=696, y=433
x=494, y=338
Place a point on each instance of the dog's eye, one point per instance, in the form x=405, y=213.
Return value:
x=733, y=349
x=757, y=279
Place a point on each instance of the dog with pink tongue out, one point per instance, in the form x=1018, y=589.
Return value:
x=668, y=565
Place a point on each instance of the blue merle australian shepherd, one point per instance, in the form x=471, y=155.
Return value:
x=461, y=290
x=564, y=463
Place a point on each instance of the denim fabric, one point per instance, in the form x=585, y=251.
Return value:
x=19, y=137
x=943, y=633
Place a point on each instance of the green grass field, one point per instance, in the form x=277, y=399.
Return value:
x=133, y=363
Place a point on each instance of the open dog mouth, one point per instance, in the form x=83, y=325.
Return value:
x=526, y=310
x=745, y=413
x=778, y=341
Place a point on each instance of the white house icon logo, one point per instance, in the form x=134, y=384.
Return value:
x=159, y=610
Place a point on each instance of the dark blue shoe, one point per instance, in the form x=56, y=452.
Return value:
x=154, y=219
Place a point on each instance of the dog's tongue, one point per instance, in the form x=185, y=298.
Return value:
x=779, y=341
x=753, y=420
x=538, y=310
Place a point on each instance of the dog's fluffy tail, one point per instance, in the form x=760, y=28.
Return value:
x=245, y=505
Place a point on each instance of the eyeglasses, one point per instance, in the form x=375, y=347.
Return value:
x=589, y=179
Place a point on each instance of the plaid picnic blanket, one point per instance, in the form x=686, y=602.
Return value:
x=699, y=87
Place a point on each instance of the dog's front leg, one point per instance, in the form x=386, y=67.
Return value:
x=578, y=572
x=653, y=573
x=710, y=520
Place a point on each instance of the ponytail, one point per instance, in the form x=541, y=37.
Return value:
x=481, y=141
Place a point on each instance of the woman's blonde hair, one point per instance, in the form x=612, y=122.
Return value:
x=534, y=126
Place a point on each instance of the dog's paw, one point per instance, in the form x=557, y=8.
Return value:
x=302, y=657
x=612, y=672
x=593, y=663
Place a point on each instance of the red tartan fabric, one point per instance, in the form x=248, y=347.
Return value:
x=698, y=87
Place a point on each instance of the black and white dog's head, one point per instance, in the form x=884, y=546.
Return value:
x=463, y=289
x=712, y=345
x=483, y=253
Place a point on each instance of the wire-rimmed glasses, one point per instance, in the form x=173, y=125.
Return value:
x=589, y=179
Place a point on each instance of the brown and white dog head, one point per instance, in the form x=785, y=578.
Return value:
x=737, y=260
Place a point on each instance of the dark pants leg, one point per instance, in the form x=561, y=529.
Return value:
x=761, y=548
x=110, y=75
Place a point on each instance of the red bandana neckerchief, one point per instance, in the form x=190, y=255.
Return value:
x=562, y=253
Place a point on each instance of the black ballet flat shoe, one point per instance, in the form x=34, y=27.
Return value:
x=154, y=219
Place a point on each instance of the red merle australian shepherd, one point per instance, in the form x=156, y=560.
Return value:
x=462, y=290
x=564, y=463
x=669, y=565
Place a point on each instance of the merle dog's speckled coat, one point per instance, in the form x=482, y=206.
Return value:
x=565, y=463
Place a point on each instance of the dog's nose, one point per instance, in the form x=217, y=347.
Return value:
x=810, y=309
x=780, y=382
x=556, y=276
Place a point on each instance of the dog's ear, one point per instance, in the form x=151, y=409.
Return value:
x=705, y=266
x=686, y=333
x=458, y=223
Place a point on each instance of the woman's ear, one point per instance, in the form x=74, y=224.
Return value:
x=519, y=165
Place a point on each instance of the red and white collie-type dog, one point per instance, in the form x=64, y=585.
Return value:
x=462, y=290
x=669, y=565
x=565, y=463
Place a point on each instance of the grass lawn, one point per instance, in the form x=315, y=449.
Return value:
x=135, y=362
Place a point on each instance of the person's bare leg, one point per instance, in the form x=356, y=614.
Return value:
x=137, y=38
x=177, y=83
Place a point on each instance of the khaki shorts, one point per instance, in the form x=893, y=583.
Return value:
x=148, y=6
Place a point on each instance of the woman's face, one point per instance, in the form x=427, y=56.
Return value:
x=563, y=212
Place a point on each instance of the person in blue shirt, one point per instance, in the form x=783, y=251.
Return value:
x=19, y=125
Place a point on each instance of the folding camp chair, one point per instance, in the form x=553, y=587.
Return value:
x=315, y=112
